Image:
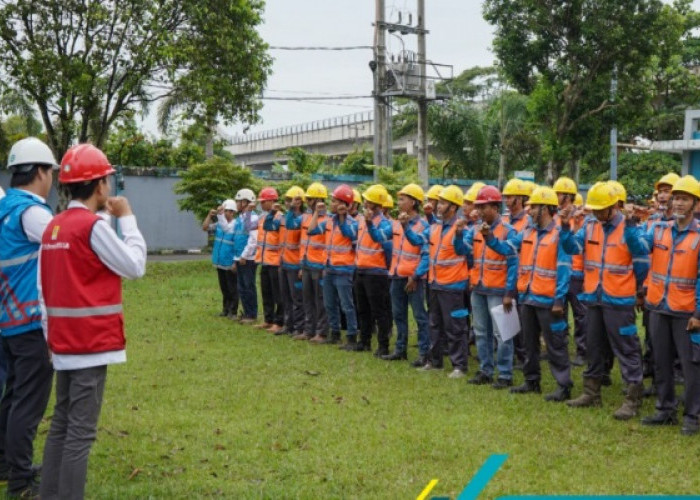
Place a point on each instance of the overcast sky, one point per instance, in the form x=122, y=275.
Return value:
x=459, y=36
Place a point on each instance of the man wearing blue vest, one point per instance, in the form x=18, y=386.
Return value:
x=24, y=214
x=222, y=254
x=245, y=243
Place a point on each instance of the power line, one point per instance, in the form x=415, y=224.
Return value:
x=316, y=98
x=351, y=47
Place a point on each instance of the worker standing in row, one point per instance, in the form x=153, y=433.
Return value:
x=267, y=255
x=245, y=240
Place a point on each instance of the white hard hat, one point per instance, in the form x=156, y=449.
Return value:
x=245, y=194
x=229, y=205
x=28, y=152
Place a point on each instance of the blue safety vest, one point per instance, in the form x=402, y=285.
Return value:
x=222, y=254
x=19, y=296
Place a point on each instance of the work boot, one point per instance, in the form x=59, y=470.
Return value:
x=301, y=336
x=481, y=379
x=349, y=344
x=690, y=426
x=397, y=356
x=317, y=339
x=527, y=386
x=361, y=346
x=333, y=339
x=590, y=396
x=502, y=383
x=661, y=418
x=561, y=394
x=381, y=352
x=631, y=404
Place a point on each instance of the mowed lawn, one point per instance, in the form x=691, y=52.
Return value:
x=207, y=408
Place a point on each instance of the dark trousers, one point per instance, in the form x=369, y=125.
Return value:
x=273, y=308
x=373, y=306
x=293, y=302
x=613, y=330
x=670, y=337
x=315, y=319
x=73, y=430
x=448, y=323
x=245, y=269
x=556, y=337
x=23, y=405
x=579, y=311
x=228, y=282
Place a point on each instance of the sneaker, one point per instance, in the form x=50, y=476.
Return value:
x=481, y=379
x=275, y=329
x=263, y=326
x=301, y=336
x=457, y=373
x=421, y=361
x=247, y=321
x=396, y=356
x=381, y=352
x=690, y=427
x=429, y=366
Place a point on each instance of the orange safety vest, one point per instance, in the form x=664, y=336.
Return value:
x=490, y=268
x=575, y=224
x=405, y=257
x=314, y=247
x=340, y=248
x=519, y=225
x=269, y=248
x=607, y=260
x=537, y=272
x=446, y=266
x=290, y=244
x=674, y=270
x=370, y=254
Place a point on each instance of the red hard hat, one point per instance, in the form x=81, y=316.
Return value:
x=268, y=194
x=83, y=163
x=344, y=193
x=488, y=194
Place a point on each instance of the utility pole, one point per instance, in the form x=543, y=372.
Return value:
x=613, y=131
x=422, y=102
x=380, y=109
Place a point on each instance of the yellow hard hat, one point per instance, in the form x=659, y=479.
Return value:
x=516, y=187
x=531, y=186
x=434, y=192
x=601, y=196
x=389, y=203
x=544, y=196
x=452, y=194
x=687, y=184
x=317, y=190
x=669, y=179
x=356, y=196
x=376, y=194
x=294, y=192
x=471, y=193
x=565, y=185
x=414, y=191
x=578, y=200
x=620, y=190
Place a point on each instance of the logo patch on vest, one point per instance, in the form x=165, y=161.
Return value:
x=54, y=232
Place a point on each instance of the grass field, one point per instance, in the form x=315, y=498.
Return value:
x=207, y=408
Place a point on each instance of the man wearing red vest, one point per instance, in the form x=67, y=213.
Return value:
x=614, y=256
x=409, y=265
x=543, y=280
x=82, y=263
x=447, y=275
x=268, y=256
x=673, y=301
x=341, y=234
x=374, y=246
x=494, y=282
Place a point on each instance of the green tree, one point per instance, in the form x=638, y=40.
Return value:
x=85, y=64
x=565, y=51
x=639, y=171
x=206, y=185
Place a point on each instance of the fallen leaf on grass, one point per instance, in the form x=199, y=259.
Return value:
x=364, y=398
x=219, y=447
x=339, y=399
x=134, y=473
x=313, y=373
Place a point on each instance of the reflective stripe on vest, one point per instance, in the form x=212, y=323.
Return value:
x=83, y=312
x=674, y=270
x=491, y=267
x=607, y=262
x=446, y=267
x=537, y=272
x=370, y=254
x=405, y=257
x=290, y=239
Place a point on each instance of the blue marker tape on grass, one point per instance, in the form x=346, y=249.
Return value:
x=482, y=477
